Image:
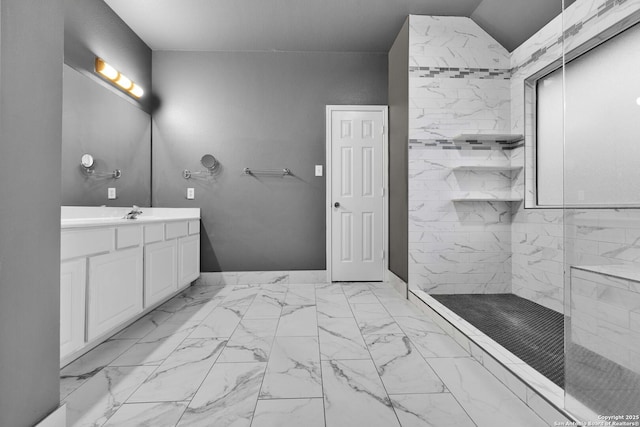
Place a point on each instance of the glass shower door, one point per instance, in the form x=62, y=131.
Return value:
x=601, y=206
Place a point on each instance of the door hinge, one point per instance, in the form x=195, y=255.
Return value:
x=382, y=191
x=382, y=254
x=382, y=130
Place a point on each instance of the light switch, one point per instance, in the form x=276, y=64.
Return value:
x=318, y=170
x=111, y=193
x=191, y=193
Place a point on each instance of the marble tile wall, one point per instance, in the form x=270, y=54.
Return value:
x=593, y=237
x=605, y=314
x=458, y=83
x=537, y=234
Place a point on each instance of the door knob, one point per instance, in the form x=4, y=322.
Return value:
x=336, y=205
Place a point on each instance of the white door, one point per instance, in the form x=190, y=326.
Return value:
x=356, y=192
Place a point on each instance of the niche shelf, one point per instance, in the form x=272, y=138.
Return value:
x=473, y=198
x=481, y=196
x=496, y=138
x=488, y=168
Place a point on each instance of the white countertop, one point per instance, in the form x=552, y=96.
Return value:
x=100, y=216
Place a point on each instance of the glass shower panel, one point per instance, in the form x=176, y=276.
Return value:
x=601, y=206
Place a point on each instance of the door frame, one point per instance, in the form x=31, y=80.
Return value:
x=384, y=109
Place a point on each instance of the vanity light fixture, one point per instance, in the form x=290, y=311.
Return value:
x=117, y=78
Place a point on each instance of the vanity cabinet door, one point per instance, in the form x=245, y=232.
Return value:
x=115, y=290
x=160, y=271
x=188, y=259
x=72, y=305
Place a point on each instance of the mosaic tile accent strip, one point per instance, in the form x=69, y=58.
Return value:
x=460, y=73
x=570, y=32
x=449, y=144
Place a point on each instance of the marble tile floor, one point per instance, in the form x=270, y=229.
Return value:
x=325, y=355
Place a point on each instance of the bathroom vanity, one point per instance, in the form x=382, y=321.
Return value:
x=114, y=270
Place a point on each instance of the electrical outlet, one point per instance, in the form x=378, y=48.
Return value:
x=111, y=193
x=191, y=193
x=318, y=170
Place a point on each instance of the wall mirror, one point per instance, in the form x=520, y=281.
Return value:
x=117, y=135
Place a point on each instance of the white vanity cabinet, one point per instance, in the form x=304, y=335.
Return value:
x=160, y=271
x=113, y=271
x=115, y=290
x=188, y=259
x=171, y=258
x=72, y=308
x=189, y=254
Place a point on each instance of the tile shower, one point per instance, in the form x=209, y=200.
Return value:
x=462, y=82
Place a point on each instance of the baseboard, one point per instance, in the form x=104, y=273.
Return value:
x=291, y=277
x=398, y=284
x=57, y=418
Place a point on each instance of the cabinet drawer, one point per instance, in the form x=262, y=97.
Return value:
x=78, y=243
x=153, y=233
x=128, y=236
x=194, y=227
x=176, y=229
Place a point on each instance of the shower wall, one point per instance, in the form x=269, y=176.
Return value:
x=458, y=84
x=537, y=234
x=462, y=81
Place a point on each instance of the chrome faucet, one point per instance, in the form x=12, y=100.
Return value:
x=135, y=211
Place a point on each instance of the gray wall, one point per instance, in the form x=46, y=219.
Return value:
x=98, y=118
x=31, y=32
x=115, y=132
x=258, y=110
x=398, y=154
x=92, y=29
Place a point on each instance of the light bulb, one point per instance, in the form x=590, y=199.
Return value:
x=106, y=70
x=124, y=82
x=136, y=91
x=118, y=78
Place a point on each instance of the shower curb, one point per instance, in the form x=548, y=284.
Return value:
x=538, y=393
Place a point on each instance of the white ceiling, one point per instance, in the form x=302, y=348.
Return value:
x=315, y=25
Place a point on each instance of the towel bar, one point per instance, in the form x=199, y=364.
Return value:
x=249, y=171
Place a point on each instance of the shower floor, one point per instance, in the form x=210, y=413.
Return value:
x=535, y=334
x=530, y=331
